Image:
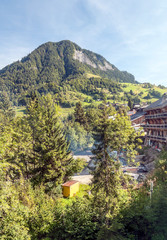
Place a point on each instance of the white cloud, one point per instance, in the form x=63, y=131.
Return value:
x=130, y=34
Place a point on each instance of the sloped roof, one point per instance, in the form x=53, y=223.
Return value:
x=162, y=102
x=136, y=115
x=69, y=183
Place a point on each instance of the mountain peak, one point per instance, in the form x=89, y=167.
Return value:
x=52, y=64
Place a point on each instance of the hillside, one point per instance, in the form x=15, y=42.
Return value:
x=71, y=74
x=53, y=67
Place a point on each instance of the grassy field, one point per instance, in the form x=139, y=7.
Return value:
x=90, y=75
x=137, y=88
x=142, y=90
x=20, y=111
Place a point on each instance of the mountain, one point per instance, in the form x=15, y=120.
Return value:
x=53, y=66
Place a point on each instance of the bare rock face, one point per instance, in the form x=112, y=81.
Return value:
x=81, y=57
x=106, y=66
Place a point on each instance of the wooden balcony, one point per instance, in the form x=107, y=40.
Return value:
x=157, y=138
x=155, y=126
x=159, y=115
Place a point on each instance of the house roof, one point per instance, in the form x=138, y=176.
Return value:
x=162, y=102
x=131, y=169
x=69, y=183
x=136, y=115
x=130, y=113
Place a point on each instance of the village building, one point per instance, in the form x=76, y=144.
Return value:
x=132, y=112
x=70, y=188
x=156, y=123
x=138, y=119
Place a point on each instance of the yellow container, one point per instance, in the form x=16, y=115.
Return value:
x=70, y=188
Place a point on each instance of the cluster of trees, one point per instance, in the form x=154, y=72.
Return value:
x=78, y=129
x=131, y=98
x=35, y=160
x=153, y=93
x=91, y=86
x=36, y=147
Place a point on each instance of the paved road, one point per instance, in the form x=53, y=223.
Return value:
x=84, y=179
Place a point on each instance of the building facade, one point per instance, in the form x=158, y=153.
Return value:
x=156, y=123
x=138, y=119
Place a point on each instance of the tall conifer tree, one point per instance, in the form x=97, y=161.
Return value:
x=37, y=146
x=52, y=160
x=80, y=115
x=113, y=131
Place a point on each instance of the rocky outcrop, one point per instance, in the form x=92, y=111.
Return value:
x=83, y=58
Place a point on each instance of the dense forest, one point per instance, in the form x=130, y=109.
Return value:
x=36, y=160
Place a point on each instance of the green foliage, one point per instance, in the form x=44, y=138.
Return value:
x=80, y=115
x=113, y=131
x=130, y=104
x=42, y=213
x=78, y=137
x=35, y=160
x=25, y=213
x=161, y=86
x=78, y=130
x=13, y=214
x=77, y=221
x=155, y=93
x=148, y=85
x=161, y=168
x=37, y=147
x=145, y=217
x=51, y=68
x=51, y=156
x=4, y=101
x=92, y=115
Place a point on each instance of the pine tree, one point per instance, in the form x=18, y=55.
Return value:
x=38, y=148
x=52, y=160
x=113, y=131
x=130, y=103
x=19, y=151
x=80, y=115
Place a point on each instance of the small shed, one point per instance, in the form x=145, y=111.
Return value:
x=70, y=188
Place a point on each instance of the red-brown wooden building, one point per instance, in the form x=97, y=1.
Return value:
x=156, y=123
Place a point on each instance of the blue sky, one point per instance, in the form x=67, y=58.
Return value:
x=131, y=34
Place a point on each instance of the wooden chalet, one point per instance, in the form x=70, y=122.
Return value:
x=156, y=123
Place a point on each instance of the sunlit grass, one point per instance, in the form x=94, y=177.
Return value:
x=20, y=111
x=90, y=75
x=138, y=88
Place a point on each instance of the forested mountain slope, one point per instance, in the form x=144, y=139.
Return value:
x=55, y=66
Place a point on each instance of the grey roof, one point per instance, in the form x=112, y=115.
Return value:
x=136, y=115
x=162, y=102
